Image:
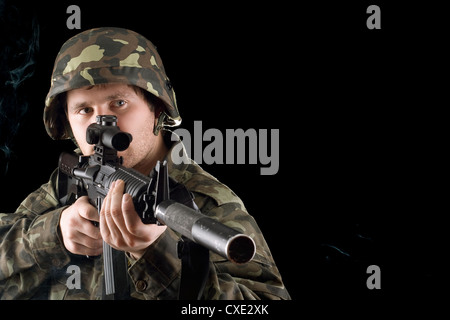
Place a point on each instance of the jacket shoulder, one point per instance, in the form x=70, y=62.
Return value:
x=44, y=198
x=199, y=181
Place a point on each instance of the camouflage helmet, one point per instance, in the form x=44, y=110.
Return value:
x=107, y=55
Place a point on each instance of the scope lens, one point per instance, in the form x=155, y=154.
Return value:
x=120, y=141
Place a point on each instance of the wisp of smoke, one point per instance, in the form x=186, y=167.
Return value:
x=19, y=44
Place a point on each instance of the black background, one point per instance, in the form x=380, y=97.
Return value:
x=361, y=176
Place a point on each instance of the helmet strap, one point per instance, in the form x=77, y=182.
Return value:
x=159, y=123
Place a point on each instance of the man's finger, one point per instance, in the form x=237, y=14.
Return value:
x=132, y=221
x=87, y=210
x=110, y=232
x=115, y=208
x=118, y=206
x=88, y=242
x=90, y=230
x=85, y=250
x=104, y=230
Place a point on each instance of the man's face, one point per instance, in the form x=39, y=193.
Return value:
x=133, y=116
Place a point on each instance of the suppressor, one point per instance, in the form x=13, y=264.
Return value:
x=225, y=241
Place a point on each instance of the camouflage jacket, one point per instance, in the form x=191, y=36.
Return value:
x=34, y=262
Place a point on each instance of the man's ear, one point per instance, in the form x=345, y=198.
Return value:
x=160, y=117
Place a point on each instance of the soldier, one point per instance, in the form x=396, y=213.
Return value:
x=113, y=71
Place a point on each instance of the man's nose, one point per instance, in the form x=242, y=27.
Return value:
x=103, y=111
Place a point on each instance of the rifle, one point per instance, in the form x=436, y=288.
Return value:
x=157, y=198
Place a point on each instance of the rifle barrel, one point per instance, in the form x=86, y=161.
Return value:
x=217, y=237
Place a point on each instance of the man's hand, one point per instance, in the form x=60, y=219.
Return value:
x=120, y=225
x=80, y=236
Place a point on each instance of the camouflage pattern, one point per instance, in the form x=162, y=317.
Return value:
x=107, y=55
x=33, y=260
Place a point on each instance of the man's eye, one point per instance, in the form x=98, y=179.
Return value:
x=120, y=103
x=85, y=110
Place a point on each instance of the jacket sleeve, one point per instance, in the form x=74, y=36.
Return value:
x=255, y=280
x=157, y=274
x=30, y=244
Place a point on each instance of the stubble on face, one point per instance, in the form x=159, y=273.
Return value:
x=134, y=116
